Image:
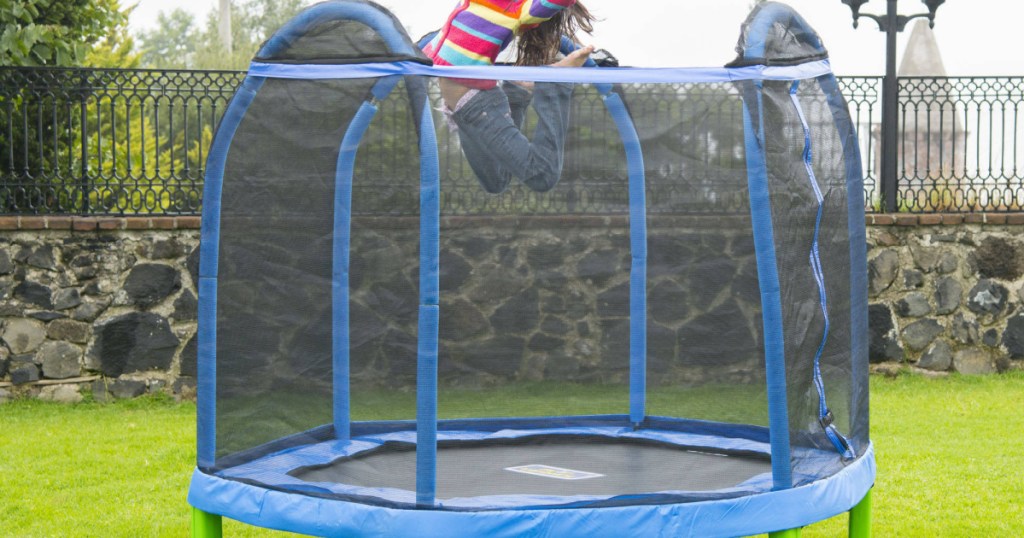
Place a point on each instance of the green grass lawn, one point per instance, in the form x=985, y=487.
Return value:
x=950, y=461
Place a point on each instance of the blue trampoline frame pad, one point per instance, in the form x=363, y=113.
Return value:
x=315, y=508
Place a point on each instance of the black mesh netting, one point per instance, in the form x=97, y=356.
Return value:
x=787, y=41
x=339, y=41
x=535, y=286
x=274, y=324
x=795, y=218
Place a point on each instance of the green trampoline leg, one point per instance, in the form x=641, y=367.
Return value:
x=860, y=518
x=789, y=533
x=205, y=525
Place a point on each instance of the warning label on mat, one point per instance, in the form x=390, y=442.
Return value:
x=548, y=471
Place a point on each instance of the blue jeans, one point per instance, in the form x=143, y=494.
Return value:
x=490, y=131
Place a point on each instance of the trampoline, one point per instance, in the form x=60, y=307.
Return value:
x=670, y=342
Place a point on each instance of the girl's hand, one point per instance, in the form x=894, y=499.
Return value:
x=576, y=59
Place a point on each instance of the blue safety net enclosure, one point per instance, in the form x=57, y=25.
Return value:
x=670, y=340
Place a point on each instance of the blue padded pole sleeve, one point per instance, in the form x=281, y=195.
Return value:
x=430, y=210
x=426, y=406
x=638, y=248
x=382, y=89
x=638, y=242
x=768, y=280
x=858, y=256
x=429, y=311
x=209, y=256
x=206, y=387
x=340, y=272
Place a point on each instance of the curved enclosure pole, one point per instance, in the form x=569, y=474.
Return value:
x=638, y=243
x=427, y=332
x=340, y=272
x=427, y=328
x=399, y=44
x=429, y=309
x=343, y=178
x=209, y=257
x=638, y=249
x=430, y=291
x=429, y=280
x=757, y=31
x=394, y=37
x=768, y=281
x=381, y=22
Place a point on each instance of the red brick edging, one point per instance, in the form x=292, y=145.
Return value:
x=92, y=224
x=943, y=219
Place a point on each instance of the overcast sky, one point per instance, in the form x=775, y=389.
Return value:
x=976, y=37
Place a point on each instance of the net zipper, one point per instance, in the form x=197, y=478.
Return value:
x=825, y=417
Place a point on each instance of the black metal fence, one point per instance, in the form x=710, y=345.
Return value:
x=115, y=142
x=962, y=144
x=107, y=142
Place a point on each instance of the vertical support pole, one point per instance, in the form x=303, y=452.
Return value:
x=429, y=316
x=890, y=113
x=788, y=533
x=638, y=248
x=339, y=272
x=637, y=239
x=209, y=263
x=860, y=518
x=206, y=525
x=768, y=281
x=341, y=255
x=426, y=408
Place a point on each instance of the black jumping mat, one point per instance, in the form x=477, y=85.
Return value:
x=551, y=467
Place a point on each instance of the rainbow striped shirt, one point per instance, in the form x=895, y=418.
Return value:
x=478, y=30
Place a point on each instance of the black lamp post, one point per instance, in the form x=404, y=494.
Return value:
x=891, y=23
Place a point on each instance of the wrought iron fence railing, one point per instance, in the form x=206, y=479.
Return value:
x=107, y=141
x=961, y=144
x=117, y=142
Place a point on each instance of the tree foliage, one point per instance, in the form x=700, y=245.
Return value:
x=116, y=48
x=172, y=42
x=135, y=165
x=46, y=129
x=55, y=32
x=180, y=42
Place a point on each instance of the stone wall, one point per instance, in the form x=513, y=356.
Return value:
x=109, y=305
x=100, y=305
x=946, y=291
x=548, y=299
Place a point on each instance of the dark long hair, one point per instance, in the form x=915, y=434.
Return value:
x=539, y=46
